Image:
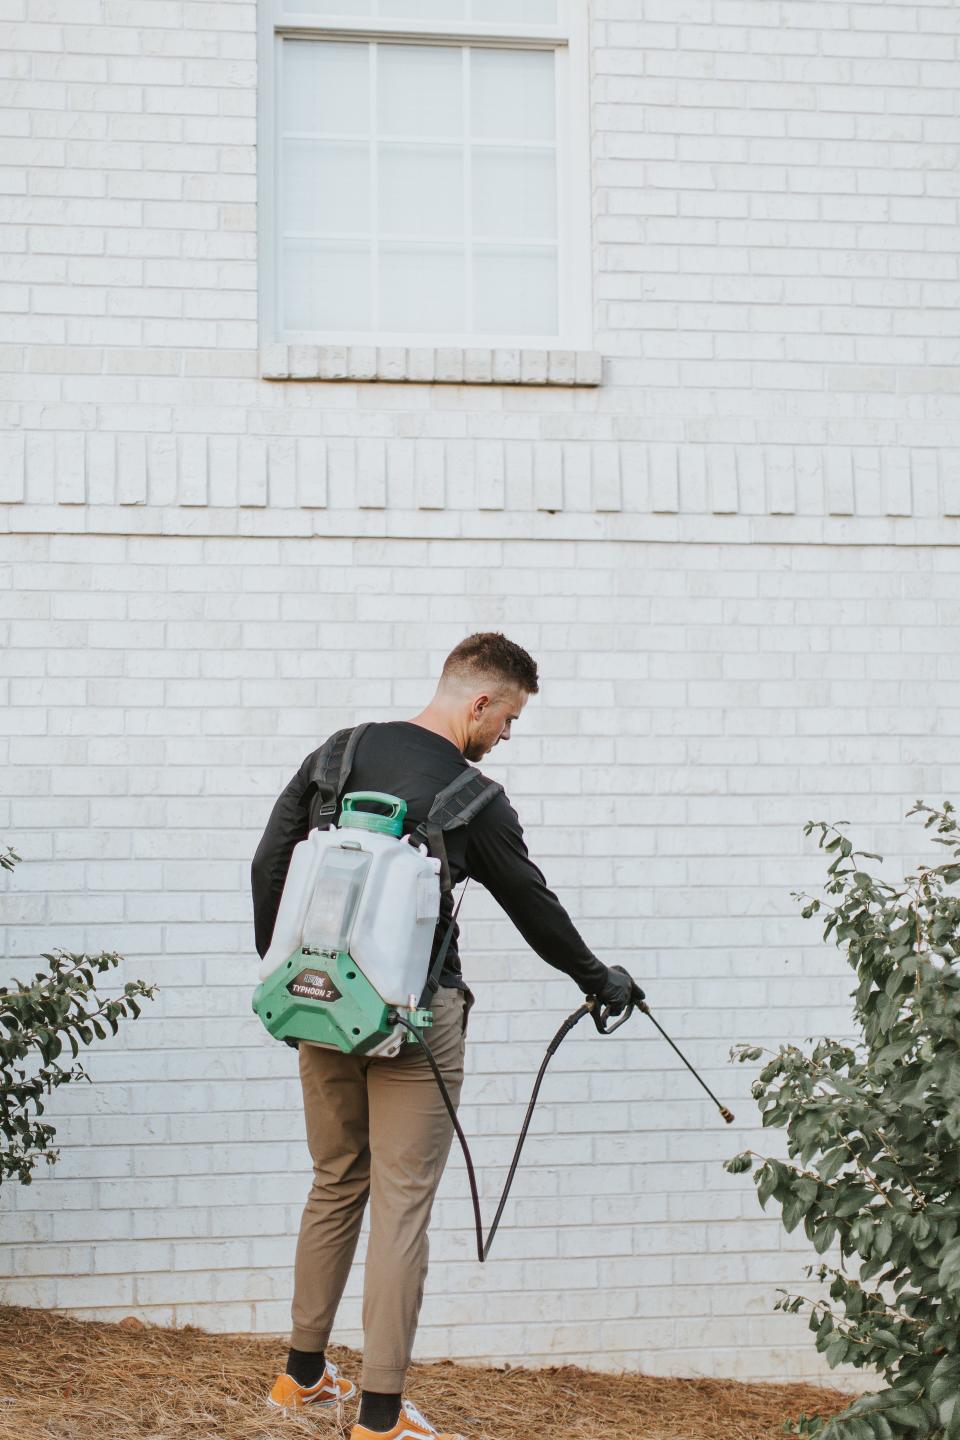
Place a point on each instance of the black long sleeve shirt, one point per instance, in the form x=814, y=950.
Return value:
x=405, y=760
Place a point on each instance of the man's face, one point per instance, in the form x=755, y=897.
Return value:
x=491, y=715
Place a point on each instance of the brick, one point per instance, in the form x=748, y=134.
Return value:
x=371, y=475
x=71, y=470
x=131, y=469
x=781, y=480
x=252, y=473
x=896, y=481
x=839, y=481
x=606, y=488
x=192, y=487
x=311, y=473
x=274, y=362
x=478, y=366
x=589, y=367
x=533, y=367
x=950, y=481
x=506, y=367
x=664, y=482
x=12, y=467
x=448, y=365
x=282, y=472
x=548, y=476
x=491, y=475
x=355, y=362
x=420, y=364
x=429, y=478
x=101, y=466
x=722, y=479
x=693, y=479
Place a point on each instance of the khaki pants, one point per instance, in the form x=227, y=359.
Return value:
x=376, y=1128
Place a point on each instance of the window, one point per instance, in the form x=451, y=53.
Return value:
x=424, y=173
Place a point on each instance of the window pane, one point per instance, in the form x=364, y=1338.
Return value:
x=331, y=8
x=515, y=290
x=421, y=190
x=421, y=9
x=325, y=87
x=422, y=290
x=540, y=12
x=326, y=287
x=401, y=260
x=537, y=12
x=511, y=94
x=419, y=91
x=514, y=194
x=326, y=188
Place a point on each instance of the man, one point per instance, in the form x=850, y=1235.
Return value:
x=377, y=1127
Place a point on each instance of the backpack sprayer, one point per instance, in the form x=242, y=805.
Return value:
x=352, y=939
x=348, y=967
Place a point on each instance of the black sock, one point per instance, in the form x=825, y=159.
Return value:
x=378, y=1411
x=306, y=1366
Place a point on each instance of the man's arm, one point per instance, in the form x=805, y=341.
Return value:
x=496, y=855
x=288, y=824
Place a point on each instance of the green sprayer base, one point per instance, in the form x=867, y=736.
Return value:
x=324, y=999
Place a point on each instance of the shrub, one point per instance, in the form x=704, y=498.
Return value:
x=61, y=1005
x=873, y=1130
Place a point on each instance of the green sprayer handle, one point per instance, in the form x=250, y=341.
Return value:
x=396, y=808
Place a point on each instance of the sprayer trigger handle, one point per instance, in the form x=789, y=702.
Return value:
x=602, y=1020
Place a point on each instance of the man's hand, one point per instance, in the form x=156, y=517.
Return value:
x=619, y=990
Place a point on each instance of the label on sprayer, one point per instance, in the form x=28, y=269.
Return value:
x=314, y=985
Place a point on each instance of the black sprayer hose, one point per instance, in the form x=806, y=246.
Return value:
x=483, y=1246
x=601, y=1018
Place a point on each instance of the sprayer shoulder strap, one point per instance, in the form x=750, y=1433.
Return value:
x=453, y=807
x=331, y=771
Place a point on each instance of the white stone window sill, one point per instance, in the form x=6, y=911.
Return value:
x=430, y=366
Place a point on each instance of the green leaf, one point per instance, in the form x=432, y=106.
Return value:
x=910, y=1417
x=832, y=1162
x=739, y=1163
x=948, y=1276
x=836, y=1351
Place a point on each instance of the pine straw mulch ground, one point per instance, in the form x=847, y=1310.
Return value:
x=65, y=1379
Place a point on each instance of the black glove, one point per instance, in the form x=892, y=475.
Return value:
x=619, y=990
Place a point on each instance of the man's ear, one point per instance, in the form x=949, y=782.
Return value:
x=480, y=703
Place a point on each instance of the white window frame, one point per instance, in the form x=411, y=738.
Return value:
x=569, y=40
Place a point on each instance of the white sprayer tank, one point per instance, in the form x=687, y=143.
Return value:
x=362, y=893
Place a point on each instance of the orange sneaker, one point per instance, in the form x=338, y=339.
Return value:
x=331, y=1389
x=410, y=1426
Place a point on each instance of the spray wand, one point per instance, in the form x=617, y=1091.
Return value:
x=602, y=1016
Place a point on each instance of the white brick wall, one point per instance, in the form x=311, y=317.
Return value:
x=735, y=560
x=699, y=703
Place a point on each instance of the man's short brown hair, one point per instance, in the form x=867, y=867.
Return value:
x=490, y=653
